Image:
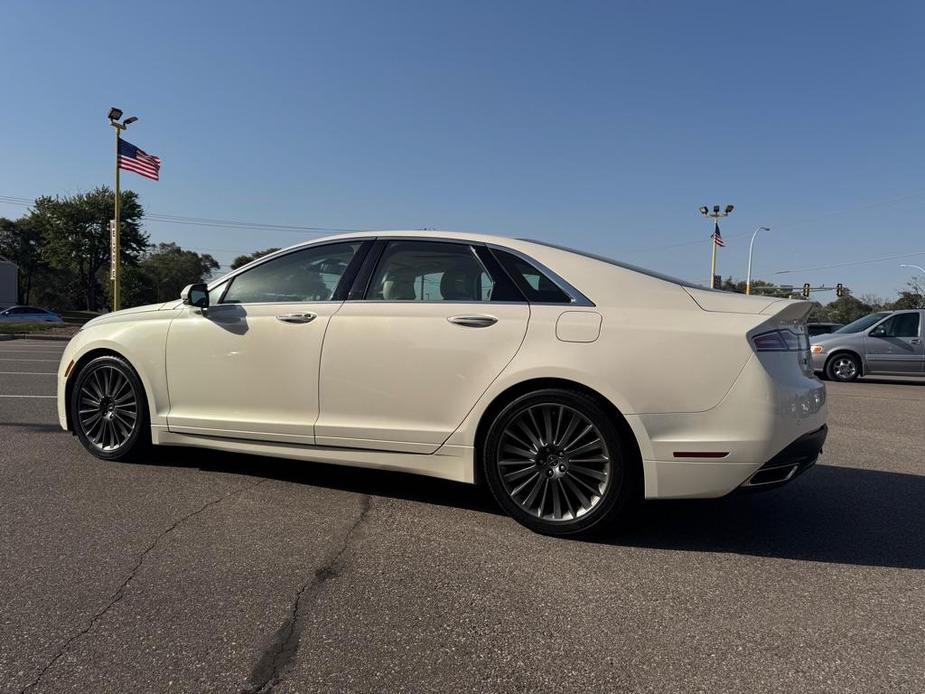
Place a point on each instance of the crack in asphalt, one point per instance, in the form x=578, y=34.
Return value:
x=120, y=591
x=277, y=656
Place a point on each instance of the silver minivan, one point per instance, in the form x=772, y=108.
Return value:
x=888, y=342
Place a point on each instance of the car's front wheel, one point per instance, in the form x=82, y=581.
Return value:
x=843, y=367
x=557, y=463
x=108, y=409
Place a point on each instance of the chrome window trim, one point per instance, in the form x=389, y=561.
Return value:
x=577, y=298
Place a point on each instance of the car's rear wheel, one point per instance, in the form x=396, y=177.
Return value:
x=557, y=463
x=843, y=367
x=109, y=413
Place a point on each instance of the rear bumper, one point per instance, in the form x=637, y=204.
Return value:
x=773, y=412
x=794, y=460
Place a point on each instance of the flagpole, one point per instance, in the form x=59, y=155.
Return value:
x=115, y=231
x=713, y=261
x=715, y=215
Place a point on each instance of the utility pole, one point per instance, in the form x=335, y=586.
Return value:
x=716, y=239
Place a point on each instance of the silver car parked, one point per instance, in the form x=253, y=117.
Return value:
x=888, y=342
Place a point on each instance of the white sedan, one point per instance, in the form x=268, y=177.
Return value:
x=572, y=385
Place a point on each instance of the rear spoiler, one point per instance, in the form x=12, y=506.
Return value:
x=789, y=309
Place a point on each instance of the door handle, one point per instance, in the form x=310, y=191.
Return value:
x=473, y=321
x=297, y=317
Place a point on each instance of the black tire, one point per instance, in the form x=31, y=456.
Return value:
x=119, y=428
x=552, y=472
x=844, y=367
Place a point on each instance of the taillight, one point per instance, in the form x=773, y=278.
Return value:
x=780, y=341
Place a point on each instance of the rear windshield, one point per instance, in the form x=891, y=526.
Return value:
x=625, y=266
x=862, y=323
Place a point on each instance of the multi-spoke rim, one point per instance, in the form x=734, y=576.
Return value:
x=107, y=408
x=845, y=367
x=554, y=462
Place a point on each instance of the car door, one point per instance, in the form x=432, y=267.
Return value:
x=247, y=366
x=405, y=361
x=895, y=344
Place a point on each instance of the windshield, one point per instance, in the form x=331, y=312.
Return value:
x=862, y=323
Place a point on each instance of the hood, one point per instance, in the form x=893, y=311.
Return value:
x=115, y=315
x=834, y=338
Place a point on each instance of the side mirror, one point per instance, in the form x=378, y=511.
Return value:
x=196, y=295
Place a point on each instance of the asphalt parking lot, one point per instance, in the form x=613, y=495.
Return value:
x=211, y=572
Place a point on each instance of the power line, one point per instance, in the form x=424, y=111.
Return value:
x=852, y=262
x=208, y=222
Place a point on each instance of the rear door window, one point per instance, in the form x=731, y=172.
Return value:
x=430, y=271
x=532, y=282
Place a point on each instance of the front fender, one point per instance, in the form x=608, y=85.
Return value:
x=141, y=341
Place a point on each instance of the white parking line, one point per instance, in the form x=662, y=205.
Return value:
x=53, y=361
x=29, y=396
x=28, y=373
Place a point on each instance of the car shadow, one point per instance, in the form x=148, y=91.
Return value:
x=829, y=514
x=383, y=483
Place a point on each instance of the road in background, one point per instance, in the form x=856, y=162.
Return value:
x=198, y=571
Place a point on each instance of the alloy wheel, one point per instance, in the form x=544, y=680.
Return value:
x=554, y=462
x=107, y=408
x=844, y=368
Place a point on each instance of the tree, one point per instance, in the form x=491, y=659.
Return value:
x=913, y=297
x=171, y=268
x=242, y=260
x=847, y=308
x=75, y=231
x=21, y=242
x=162, y=272
x=759, y=287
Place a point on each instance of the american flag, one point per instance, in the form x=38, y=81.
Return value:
x=717, y=237
x=131, y=158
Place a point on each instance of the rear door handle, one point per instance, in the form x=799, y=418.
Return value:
x=473, y=321
x=297, y=317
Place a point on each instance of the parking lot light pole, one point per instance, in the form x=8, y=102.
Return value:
x=715, y=215
x=917, y=267
x=751, y=246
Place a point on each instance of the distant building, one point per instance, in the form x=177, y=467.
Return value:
x=9, y=282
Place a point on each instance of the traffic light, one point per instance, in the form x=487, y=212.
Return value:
x=806, y=288
x=839, y=290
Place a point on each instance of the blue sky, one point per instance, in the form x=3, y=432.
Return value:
x=601, y=125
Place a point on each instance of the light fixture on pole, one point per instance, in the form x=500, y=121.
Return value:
x=114, y=115
x=716, y=239
x=917, y=267
x=751, y=246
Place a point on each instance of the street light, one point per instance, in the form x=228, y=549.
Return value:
x=715, y=215
x=751, y=245
x=917, y=267
x=114, y=115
